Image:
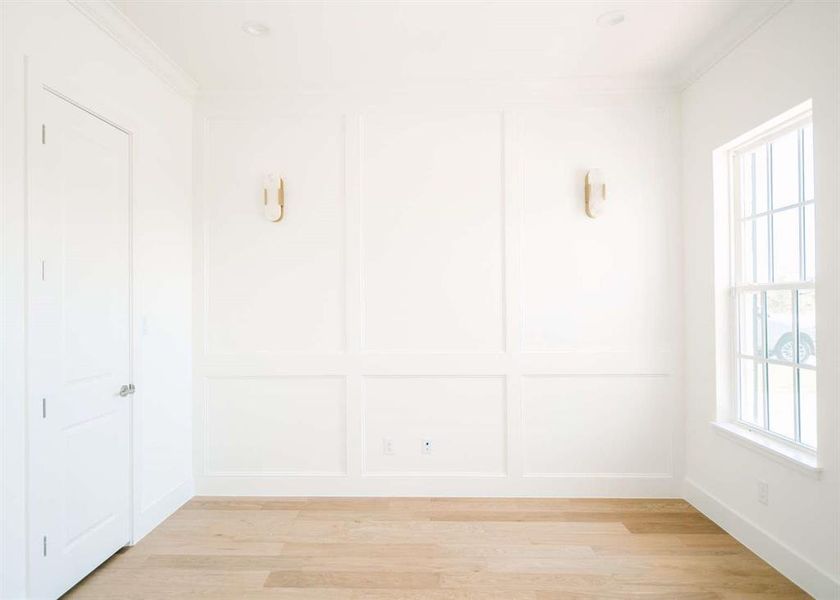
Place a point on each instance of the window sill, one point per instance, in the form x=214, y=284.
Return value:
x=800, y=459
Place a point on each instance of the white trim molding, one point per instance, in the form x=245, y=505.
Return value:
x=109, y=18
x=450, y=485
x=786, y=560
x=749, y=19
x=779, y=450
x=155, y=513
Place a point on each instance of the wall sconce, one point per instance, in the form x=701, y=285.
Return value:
x=273, y=182
x=595, y=193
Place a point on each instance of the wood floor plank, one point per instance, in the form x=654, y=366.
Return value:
x=354, y=563
x=436, y=549
x=474, y=532
x=687, y=526
x=384, y=594
x=649, y=506
x=625, y=593
x=354, y=579
x=564, y=516
x=318, y=550
x=518, y=551
x=362, y=515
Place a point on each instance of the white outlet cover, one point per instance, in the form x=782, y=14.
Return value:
x=387, y=446
x=763, y=493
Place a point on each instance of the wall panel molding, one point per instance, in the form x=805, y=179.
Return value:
x=285, y=293
x=450, y=221
x=450, y=367
x=278, y=433
x=595, y=426
x=458, y=420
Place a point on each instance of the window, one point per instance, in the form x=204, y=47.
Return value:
x=775, y=342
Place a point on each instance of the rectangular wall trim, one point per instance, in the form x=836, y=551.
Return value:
x=415, y=253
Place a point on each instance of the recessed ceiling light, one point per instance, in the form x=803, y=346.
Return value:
x=256, y=29
x=610, y=19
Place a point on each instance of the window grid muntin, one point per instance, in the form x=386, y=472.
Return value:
x=802, y=242
x=789, y=207
x=760, y=363
x=771, y=273
x=797, y=355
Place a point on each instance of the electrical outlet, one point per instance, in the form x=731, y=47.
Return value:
x=763, y=493
x=427, y=446
x=387, y=446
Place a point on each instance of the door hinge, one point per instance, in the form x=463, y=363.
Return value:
x=43, y=133
x=45, y=545
x=43, y=408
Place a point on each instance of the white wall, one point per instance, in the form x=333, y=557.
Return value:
x=792, y=58
x=436, y=278
x=86, y=64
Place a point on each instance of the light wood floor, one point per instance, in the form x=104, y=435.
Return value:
x=434, y=548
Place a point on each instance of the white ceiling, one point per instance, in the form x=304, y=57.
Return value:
x=315, y=45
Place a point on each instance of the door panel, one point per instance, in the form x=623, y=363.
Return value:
x=79, y=346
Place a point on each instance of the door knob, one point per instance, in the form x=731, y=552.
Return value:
x=127, y=390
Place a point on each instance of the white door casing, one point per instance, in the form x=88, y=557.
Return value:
x=79, y=315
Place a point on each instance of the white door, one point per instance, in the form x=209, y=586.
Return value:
x=79, y=345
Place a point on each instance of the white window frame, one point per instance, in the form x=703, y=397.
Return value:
x=793, y=120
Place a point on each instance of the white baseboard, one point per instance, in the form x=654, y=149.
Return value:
x=781, y=557
x=154, y=514
x=491, y=485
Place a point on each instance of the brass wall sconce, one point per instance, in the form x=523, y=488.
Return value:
x=595, y=193
x=272, y=182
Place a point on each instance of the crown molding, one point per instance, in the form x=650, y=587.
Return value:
x=748, y=20
x=115, y=23
x=725, y=40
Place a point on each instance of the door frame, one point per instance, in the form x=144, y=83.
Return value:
x=41, y=80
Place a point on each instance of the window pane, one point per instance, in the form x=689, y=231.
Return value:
x=755, y=264
x=785, y=169
x=808, y=166
x=780, y=339
x=781, y=400
x=807, y=327
x=760, y=173
x=808, y=406
x=751, y=324
x=786, y=245
x=752, y=392
x=746, y=185
x=810, y=244
x=754, y=182
x=745, y=195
